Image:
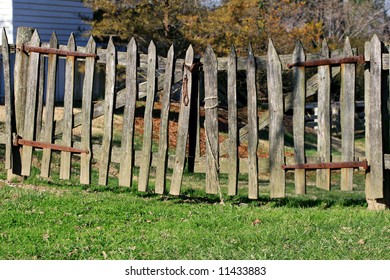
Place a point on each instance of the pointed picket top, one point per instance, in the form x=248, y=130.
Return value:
x=91, y=45
x=71, y=42
x=251, y=57
x=152, y=47
x=4, y=38
x=375, y=38
x=132, y=45
x=347, y=47
x=272, y=53
x=209, y=54
x=111, y=45
x=35, y=39
x=53, y=40
x=250, y=50
x=171, y=53
x=190, y=53
x=299, y=53
x=375, y=46
x=325, y=49
x=233, y=52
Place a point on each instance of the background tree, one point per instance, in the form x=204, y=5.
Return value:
x=239, y=22
x=143, y=19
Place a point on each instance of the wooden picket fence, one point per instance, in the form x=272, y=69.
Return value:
x=25, y=130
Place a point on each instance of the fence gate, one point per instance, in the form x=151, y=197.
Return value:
x=376, y=120
x=30, y=101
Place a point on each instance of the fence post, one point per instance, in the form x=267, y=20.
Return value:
x=323, y=138
x=375, y=194
x=347, y=118
x=143, y=178
x=31, y=102
x=164, y=123
x=50, y=99
x=299, y=95
x=211, y=121
x=276, y=129
x=108, y=113
x=68, y=110
x=182, y=132
x=127, y=158
x=8, y=99
x=23, y=36
x=86, y=131
x=253, y=139
x=232, y=121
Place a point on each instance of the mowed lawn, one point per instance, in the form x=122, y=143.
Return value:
x=63, y=220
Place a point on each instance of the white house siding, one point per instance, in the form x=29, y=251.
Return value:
x=61, y=16
x=6, y=18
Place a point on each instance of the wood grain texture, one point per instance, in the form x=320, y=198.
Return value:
x=375, y=140
x=5, y=52
x=347, y=118
x=65, y=168
x=232, y=121
x=211, y=120
x=31, y=99
x=109, y=94
x=85, y=167
x=148, y=120
x=127, y=160
x=50, y=97
x=276, y=127
x=182, y=132
x=367, y=92
x=164, y=122
x=253, y=140
x=40, y=101
x=323, y=138
x=299, y=93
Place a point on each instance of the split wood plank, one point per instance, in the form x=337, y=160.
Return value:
x=375, y=140
x=50, y=98
x=232, y=122
x=164, y=122
x=253, y=139
x=31, y=99
x=347, y=118
x=183, y=122
x=8, y=99
x=127, y=160
x=323, y=138
x=367, y=92
x=143, y=179
x=68, y=110
x=85, y=165
x=299, y=93
x=108, y=113
x=41, y=90
x=211, y=120
x=276, y=127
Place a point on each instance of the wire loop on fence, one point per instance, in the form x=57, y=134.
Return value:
x=212, y=106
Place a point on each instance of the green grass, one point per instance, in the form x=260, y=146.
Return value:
x=57, y=219
x=71, y=223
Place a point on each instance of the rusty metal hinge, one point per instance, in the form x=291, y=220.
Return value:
x=328, y=165
x=27, y=48
x=328, y=61
x=19, y=141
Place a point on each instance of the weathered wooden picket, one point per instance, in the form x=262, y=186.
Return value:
x=24, y=128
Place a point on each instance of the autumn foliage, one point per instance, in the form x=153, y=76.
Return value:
x=238, y=22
